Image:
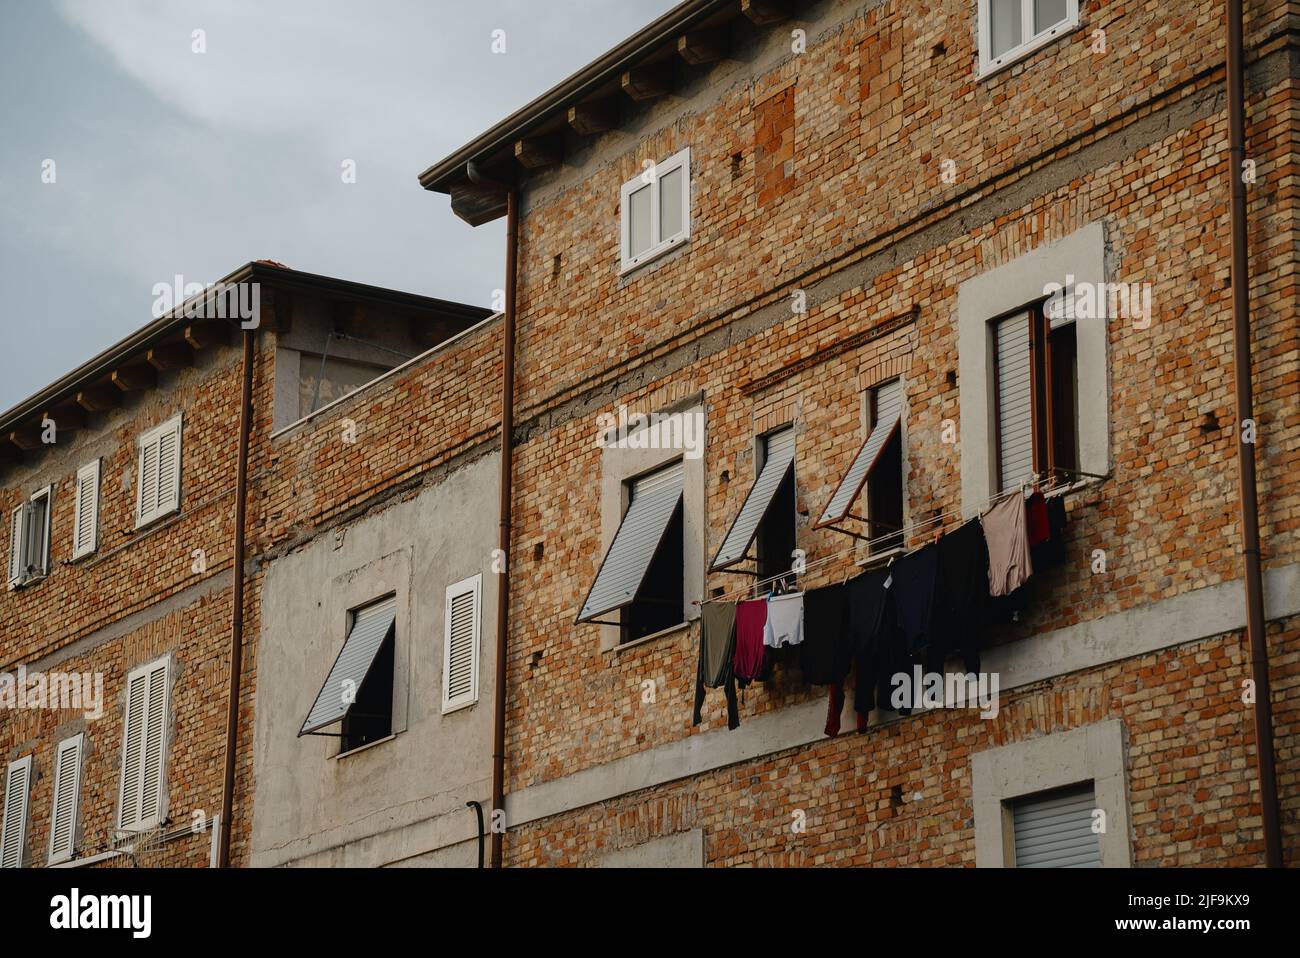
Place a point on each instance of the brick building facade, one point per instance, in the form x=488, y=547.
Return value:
x=154, y=589
x=756, y=216
x=866, y=195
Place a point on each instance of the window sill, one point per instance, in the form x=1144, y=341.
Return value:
x=361, y=748
x=653, y=636
x=653, y=255
x=154, y=520
x=1020, y=53
x=880, y=558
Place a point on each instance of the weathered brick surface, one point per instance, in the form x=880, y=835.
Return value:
x=1134, y=138
x=900, y=794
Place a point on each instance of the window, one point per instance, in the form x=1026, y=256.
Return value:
x=144, y=748
x=358, y=692
x=158, y=486
x=29, y=539
x=460, y=654
x=13, y=833
x=1055, y=829
x=67, y=788
x=775, y=542
x=1035, y=368
x=768, y=513
x=1076, y=263
x=655, y=210
x=1011, y=29
x=85, y=523
x=879, y=466
x=1035, y=800
x=643, y=572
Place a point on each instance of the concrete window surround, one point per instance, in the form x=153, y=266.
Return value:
x=1094, y=753
x=1001, y=290
x=619, y=465
x=362, y=587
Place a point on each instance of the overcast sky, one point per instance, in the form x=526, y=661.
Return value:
x=169, y=161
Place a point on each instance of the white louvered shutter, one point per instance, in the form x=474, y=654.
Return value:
x=1014, y=402
x=169, y=468
x=85, y=523
x=13, y=834
x=147, y=496
x=1054, y=830
x=16, y=536
x=67, y=793
x=461, y=646
x=144, y=745
x=155, y=746
x=160, y=472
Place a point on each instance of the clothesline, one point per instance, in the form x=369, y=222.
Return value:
x=908, y=530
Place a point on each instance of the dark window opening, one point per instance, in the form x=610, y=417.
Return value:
x=661, y=602
x=776, y=533
x=1063, y=354
x=371, y=715
x=885, y=497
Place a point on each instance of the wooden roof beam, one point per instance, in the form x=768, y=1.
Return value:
x=99, y=398
x=704, y=46
x=170, y=356
x=539, y=152
x=597, y=116
x=134, y=378
x=211, y=333
x=764, y=13
x=648, y=82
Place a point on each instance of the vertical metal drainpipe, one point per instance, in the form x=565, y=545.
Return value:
x=507, y=476
x=1241, y=352
x=237, y=625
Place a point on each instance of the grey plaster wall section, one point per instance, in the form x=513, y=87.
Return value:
x=398, y=797
x=683, y=850
x=617, y=466
x=1170, y=622
x=1079, y=258
x=853, y=273
x=1093, y=753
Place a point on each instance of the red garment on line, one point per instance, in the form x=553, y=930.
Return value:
x=751, y=616
x=1037, y=527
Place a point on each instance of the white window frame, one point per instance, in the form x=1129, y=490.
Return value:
x=88, y=473
x=76, y=742
x=153, y=437
x=20, y=534
x=474, y=584
x=160, y=812
x=6, y=828
x=649, y=178
x=990, y=65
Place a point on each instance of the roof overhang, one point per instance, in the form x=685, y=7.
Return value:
x=644, y=67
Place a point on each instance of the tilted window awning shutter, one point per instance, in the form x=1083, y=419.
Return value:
x=780, y=460
x=370, y=627
x=889, y=416
x=655, y=500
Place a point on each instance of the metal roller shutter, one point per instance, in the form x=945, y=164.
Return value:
x=370, y=626
x=1054, y=830
x=889, y=416
x=780, y=460
x=1014, y=402
x=655, y=500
